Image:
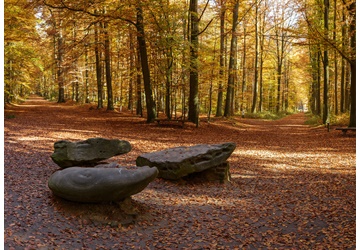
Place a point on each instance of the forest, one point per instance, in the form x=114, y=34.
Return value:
x=185, y=58
x=257, y=79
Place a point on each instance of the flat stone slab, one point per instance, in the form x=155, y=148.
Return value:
x=88, y=152
x=100, y=184
x=178, y=162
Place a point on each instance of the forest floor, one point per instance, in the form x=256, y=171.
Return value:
x=292, y=187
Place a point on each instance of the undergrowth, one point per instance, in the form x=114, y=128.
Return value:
x=336, y=120
x=267, y=115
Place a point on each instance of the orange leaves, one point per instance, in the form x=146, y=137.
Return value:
x=292, y=188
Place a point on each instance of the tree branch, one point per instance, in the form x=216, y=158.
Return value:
x=94, y=14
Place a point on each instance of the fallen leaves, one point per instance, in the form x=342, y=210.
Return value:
x=292, y=187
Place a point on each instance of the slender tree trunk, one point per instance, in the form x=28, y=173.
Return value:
x=222, y=63
x=318, y=94
x=262, y=40
x=138, y=84
x=335, y=63
x=342, y=86
x=278, y=77
x=343, y=66
x=87, y=100
x=194, y=80
x=110, y=102
x=286, y=87
x=232, y=63
x=313, y=90
x=169, y=59
x=60, y=76
x=352, y=10
x=132, y=69
x=243, y=84
x=326, y=63
x=256, y=72
x=279, y=61
x=150, y=103
x=98, y=68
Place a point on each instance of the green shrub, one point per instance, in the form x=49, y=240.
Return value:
x=340, y=120
x=267, y=115
x=313, y=120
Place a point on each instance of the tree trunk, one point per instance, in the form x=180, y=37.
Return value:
x=232, y=63
x=262, y=40
x=98, y=68
x=132, y=69
x=243, y=84
x=60, y=77
x=314, y=71
x=110, y=103
x=256, y=72
x=138, y=84
x=318, y=94
x=278, y=77
x=86, y=75
x=352, y=9
x=194, y=80
x=326, y=63
x=222, y=63
x=335, y=63
x=343, y=66
x=169, y=69
x=150, y=104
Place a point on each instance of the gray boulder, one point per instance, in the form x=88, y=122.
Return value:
x=178, y=162
x=100, y=184
x=88, y=152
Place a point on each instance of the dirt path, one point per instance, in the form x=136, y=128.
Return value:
x=292, y=186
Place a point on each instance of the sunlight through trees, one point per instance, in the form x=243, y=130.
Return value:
x=183, y=59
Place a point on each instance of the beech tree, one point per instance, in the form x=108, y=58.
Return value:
x=194, y=80
x=221, y=58
x=95, y=59
x=232, y=62
x=23, y=61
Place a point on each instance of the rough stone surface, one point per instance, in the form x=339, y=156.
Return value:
x=100, y=184
x=88, y=152
x=219, y=173
x=178, y=162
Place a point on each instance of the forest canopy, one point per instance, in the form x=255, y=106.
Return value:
x=185, y=58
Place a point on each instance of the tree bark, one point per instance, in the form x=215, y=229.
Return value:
x=232, y=63
x=318, y=83
x=132, y=69
x=86, y=75
x=256, y=72
x=222, y=63
x=343, y=66
x=243, y=84
x=352, y=10
x=138, y=84
x=194, y=80
x=335, y=63
x=98, y=68
x=110, y=103
x=150, y=103
x=60, y=76
x=326, y=64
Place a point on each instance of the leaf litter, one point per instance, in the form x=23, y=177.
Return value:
x=292, y=186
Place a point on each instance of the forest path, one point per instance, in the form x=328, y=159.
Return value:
x=293, y=186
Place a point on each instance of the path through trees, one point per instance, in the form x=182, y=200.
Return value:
x=292, y=185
